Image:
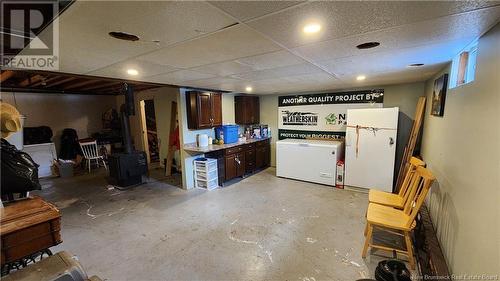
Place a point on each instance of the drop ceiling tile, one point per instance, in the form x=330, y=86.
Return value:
x=224, y=68
x=144, y=68
x=271, y=60
x=245, y=10
x=83, y=29
x=232, y=43
x=345, y=18
x=215, y=81
x=407, y=75
x=230, y=87
x=280, y=72
x=394, y=60
x=252, y=63
x=178, y=77
x=294, y=84
x=466, y=27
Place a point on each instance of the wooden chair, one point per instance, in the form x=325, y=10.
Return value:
x=90, y=152
x=396, y=200
x=399, y=222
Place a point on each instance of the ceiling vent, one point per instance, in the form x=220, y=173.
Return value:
x=368, y=45
x=123, y=36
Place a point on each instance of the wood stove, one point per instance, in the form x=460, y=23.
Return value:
x=126, y=169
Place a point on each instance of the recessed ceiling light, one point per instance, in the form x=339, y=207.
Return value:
x=361, y=78
x=415, y=64
x=124, y=36
x=368, y=45
x=312, y=28
x=248, y=89
x=132, y=71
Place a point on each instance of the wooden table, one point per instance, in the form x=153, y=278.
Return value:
x=28, y=226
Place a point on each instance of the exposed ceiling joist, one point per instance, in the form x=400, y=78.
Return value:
x=45, y=80
x=30, y=80
x=81, y=84
x=59, y=82
x=66, y=83
x=102, y=85
x=5, y=75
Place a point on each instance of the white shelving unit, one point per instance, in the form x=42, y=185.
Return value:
x=205, y=173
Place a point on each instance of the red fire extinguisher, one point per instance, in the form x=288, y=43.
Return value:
x=339, y=181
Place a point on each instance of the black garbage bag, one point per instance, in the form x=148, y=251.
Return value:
x=19, y=171
x=392, y=270
x=70, y=147
x=36, y=135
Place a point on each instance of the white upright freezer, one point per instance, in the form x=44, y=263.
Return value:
x=308, y=160
x=371, y=147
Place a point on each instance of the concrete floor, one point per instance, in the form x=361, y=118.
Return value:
x=261, y=227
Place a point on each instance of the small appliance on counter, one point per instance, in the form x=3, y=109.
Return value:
x=202, y=140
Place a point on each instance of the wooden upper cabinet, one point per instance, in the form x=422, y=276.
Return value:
x=217, y=109
x=247, y=110
x=204, y=109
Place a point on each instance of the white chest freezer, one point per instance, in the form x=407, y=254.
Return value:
x=308, y=160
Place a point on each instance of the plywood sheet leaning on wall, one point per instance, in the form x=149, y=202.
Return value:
x=171, y=146
x=412, y=141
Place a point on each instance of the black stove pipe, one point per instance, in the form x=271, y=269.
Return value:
x=126, y=110
x=127, y=140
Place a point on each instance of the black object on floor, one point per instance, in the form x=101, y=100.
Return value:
x=36, y=135
x=19, y=171
x=70, y=147
x=126, y=169
x=392, y=270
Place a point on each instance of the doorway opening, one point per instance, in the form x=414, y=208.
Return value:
x=149, y=130
x=160, y=138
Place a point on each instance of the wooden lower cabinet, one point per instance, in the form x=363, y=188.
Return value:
x=235, y=165
x=262, y=154
x=250, y=160
x=245, y=159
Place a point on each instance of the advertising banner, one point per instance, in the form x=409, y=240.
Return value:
x=321, y=115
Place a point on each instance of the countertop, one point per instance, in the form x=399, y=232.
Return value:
x=191, y=147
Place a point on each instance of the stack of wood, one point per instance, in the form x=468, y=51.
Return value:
x=412, y=141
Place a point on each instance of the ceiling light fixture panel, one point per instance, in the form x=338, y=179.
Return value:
x=312, y=28
x=132, y=72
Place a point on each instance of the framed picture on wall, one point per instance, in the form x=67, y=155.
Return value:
x=439, y=95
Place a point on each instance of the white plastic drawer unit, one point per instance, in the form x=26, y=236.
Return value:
x=308, y=160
